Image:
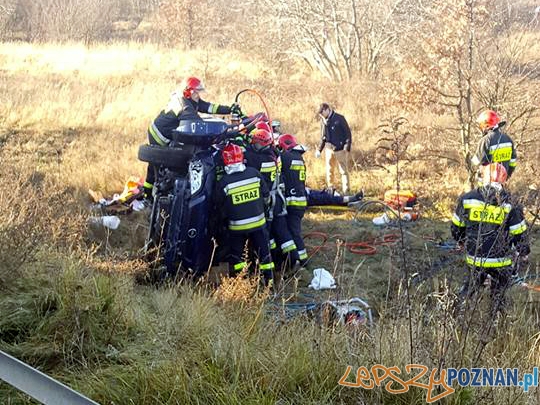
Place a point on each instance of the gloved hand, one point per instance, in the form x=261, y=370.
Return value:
x=267, y=208
x=317, y=154
x=235, y=109
x=524, y=259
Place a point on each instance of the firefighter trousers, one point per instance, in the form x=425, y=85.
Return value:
x=150, y=171
x=285, y=252
x=258, y=239
x=294, y=224
x=500, y=278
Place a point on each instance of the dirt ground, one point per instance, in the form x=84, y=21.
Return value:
x=426, y=250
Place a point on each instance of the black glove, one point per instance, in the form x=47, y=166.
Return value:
x=235, y=109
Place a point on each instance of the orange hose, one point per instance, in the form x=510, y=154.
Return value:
x=531, y=287
x=358, y=248
x=320, y=235
x=262, y=101
x=361, y=248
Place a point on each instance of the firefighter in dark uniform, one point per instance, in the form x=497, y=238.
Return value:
x=491, y=227
x=495, y=146
x=330, y=197
x=243, y=194
x=293, y=171
x=262, y=156
x=182, y=106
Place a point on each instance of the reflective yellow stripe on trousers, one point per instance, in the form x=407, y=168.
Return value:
x=488, y=262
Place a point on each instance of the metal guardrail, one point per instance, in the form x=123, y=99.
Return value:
x=38, y=385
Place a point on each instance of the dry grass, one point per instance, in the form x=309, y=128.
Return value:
x=72, y=118
x=242, y=289
x=80, y=101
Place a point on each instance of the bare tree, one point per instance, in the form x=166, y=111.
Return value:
x=341, y=39
x=7, y=12
x=510, y=73
x=59, y=20
x=138, y=9
x=459, y=61
x=193, y=23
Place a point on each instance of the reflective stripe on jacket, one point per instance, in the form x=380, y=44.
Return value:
x=489, y=223
x=242, y=197
x=496, y=147
x=180, y=108
x=293, y=173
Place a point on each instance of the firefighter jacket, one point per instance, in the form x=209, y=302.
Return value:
x=293, y=172
x=268, y=163
x=496, y=147
x=336, y=132
x=242, y=196
x=241, y=140
x=265, y=162
x=489, y=224
x=180, y=108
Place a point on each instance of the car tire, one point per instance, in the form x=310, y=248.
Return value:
x=173, y=158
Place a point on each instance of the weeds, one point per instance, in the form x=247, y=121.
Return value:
x=68, y=299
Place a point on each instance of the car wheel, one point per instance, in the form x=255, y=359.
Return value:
x=173, y=158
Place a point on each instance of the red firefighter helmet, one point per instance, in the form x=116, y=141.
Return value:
x=488, y=119
x=261, y=138
x=192, y=84
x=494, y=173
x=232, y=154
x=263, y=125
x=287, y=141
